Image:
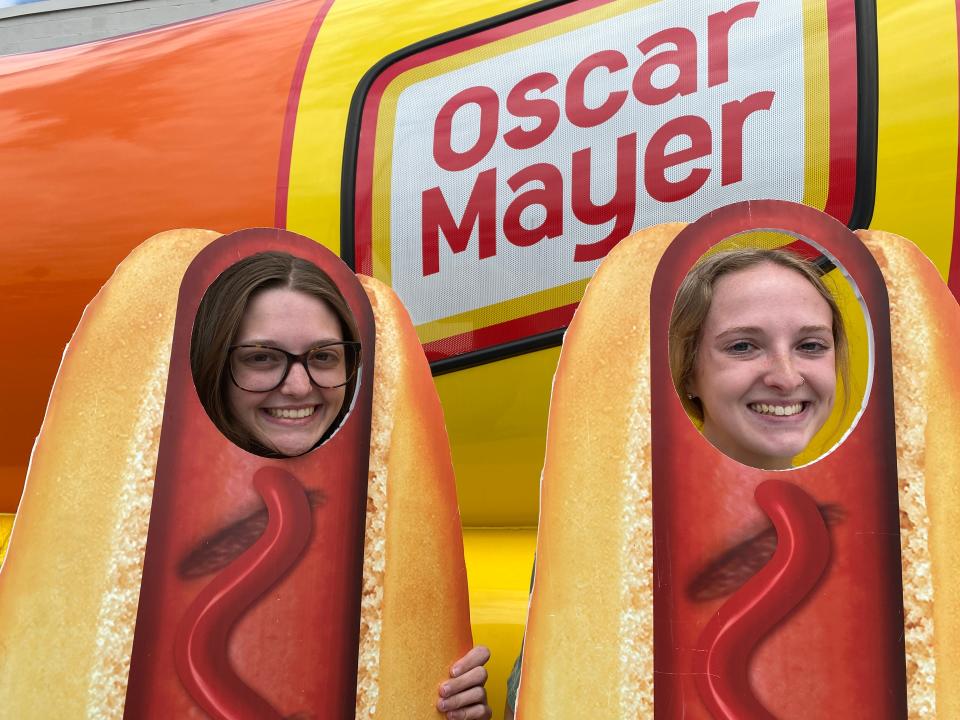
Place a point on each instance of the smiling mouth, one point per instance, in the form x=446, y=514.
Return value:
x=291, y=413
x=778, y=410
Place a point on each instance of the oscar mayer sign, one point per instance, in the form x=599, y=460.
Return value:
x=497, y=166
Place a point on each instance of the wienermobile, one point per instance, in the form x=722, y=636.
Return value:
x=481, y=159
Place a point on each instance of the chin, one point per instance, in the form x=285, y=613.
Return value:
x=780, y=457
x=290, y=447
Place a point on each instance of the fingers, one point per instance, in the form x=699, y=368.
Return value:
x=474, y=712
x=477, y=677
x=468, y=705
x=463, y=697
x=476, y=657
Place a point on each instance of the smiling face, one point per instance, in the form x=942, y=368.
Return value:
x=292, y=418
x=765, y=371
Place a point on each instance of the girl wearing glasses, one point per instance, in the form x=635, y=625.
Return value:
x=274, y=355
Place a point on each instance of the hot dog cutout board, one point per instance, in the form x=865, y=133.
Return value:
x=205, y=581
x=674, y=582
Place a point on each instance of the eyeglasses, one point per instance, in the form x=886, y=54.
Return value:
x=261, y=368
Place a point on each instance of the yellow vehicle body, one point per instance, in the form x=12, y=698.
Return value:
x=253, y=117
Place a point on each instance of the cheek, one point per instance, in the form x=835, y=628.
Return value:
x=724, y=379
x=825, y=378
x=829, y=392
x=236, y=405
x=336, y=399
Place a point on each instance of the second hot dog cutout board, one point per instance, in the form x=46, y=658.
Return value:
x=675, y=582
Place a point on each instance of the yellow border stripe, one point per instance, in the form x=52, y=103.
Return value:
x=917, y=124
x=540, y=301
x=816, y=102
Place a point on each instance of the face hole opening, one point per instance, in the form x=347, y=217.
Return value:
x=756, y=356
x=275, y=355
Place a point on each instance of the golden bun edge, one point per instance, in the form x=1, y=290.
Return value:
x=424, y=622
x=595, y=500
x=925, y=331
x=76, y=553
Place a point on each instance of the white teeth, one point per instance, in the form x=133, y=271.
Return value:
x=291, y=414
x=765, y=409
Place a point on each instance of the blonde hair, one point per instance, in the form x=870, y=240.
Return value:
x=696, y=295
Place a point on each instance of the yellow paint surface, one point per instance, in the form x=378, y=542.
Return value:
x=496, y=417
x=499, y=563
x=6, y=526
x=917, y=133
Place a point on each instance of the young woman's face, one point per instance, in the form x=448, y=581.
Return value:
x=292, y=418
x=765, y=372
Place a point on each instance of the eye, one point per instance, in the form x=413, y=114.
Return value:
x=814, y=347
x=325, y=357
x=260, y=358
x=741, y=347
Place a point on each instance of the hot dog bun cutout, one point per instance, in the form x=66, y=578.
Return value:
x=588, y=647
x=925, y=327
x=416, y=617
x=589, y=641
x=89, y=608
x=71, y=580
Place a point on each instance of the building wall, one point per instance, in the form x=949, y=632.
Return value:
x=49, y=24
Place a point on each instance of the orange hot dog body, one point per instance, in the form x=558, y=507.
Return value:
x=296, y=646
x=840, y=652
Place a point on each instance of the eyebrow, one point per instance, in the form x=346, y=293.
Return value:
x=276, y=343
x=754, y=330
x=741, y=330
x=816, y=328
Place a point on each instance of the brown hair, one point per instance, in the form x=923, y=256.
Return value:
x=696, y=294
x=218, y=320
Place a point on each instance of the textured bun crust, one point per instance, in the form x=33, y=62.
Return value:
x=70, y=587
x=925, y=331
x=76, y=554
x=596, y=493
x=415, y=615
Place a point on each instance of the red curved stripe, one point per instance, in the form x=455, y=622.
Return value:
x=201, y=644
x=803, y=550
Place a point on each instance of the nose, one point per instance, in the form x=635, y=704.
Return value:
x=782, y=373
x=297, y=382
